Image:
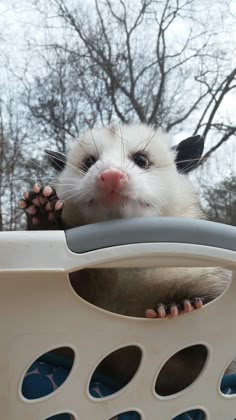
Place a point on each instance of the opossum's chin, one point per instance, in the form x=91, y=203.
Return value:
x=116, y=201
x=97, y=212
x=109, y=200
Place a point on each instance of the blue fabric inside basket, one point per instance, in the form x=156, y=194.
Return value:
x=50, y=371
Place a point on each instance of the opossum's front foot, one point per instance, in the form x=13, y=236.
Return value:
x=174, y=309
x=42, y=206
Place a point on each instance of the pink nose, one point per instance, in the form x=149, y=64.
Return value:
x=112, y=179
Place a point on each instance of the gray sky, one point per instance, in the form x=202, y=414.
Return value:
x=19, y=22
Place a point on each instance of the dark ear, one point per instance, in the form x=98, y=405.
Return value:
x=188, y=153
x=56, y=159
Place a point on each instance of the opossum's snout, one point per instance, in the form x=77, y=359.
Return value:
x=110, y=185
x=111, y=179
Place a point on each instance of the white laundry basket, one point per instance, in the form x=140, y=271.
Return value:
x=39, y=311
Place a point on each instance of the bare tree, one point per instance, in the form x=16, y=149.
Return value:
x=52, y=102
x=11, y=139
x=124, y=60
x=20, y=164
x=220, y=201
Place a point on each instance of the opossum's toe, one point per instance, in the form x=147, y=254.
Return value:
x=48, y=191
x=59, y=205
x=32, y=209
x=150, y=313
x=22, y=204
x=54, y=209
x=161, y=310
x=198, y=303
x=36, y=188
x=173, y=309
x=187, y=306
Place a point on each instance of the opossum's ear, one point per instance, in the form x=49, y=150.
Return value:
x=188, y=153
x=56, y=159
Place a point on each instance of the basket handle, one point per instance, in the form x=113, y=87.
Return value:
x=154, y=241
x=150, y=230
x=140, y=242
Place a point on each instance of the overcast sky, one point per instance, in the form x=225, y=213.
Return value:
x=19, y=21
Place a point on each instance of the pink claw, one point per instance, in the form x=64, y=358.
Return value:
x=187, y=306
x=59, y=205
x=22, y=204
x=174, y=311
x=47, y=191
x=150, y=313
x=161, y=312
x=36, y=188
x=198, y=303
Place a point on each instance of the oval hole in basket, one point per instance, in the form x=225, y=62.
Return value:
x=89, y=283
x=62, y=416
x=47, y=373
x=228, y=381
x=192, y=414
x=181, y=370
x=107, y=379
x=127, y=415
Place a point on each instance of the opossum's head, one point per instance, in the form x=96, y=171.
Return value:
x=126, y=171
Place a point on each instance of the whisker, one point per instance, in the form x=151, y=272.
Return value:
x=161, y=201
x=71, y=196
x=80, y=171
x=167, y=165
x=98, y=154
x=81, y=197
x=68, y=190
x=122, y=147
x=63, y=199
x=151, y=138
x=80, y=143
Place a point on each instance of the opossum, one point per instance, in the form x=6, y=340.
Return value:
x=122, y=172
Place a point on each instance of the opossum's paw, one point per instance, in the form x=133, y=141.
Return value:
x=42, y=206
x=174, y=309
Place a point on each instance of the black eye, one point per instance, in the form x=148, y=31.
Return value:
x=89, y=161
x=141, y=160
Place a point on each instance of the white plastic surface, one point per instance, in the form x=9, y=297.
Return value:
x=40, y=311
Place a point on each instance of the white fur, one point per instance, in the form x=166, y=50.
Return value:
x=166, y=191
